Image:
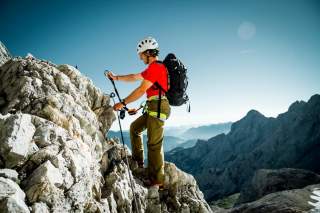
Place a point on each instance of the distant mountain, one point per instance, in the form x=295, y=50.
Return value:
x=183, y=136
x=188, y=143
x=176, y=131
x=222, y=164
x=206, y=132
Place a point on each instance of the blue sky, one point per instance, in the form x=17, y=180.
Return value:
x=241, y=55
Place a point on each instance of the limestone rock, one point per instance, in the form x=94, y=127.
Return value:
x=288, y=201
x=10, y=174
x=53, y=123
x=4, y=54
x=8, y=188
x=267, y=181
x=16, y=139
x=11, y=197
x=43, y=182
x=12, y=204
x=40, y=208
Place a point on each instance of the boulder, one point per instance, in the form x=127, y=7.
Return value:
x=287, y=201
x=40, y=208
x=11, y=197
x=10, y=174
x=267, y=181
x=43, y=182
x=13, y=204
x=16, y=139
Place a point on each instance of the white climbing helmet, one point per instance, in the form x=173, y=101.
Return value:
x=148, y=43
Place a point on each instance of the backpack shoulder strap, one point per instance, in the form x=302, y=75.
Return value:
x=156, y=83
x=160, y=88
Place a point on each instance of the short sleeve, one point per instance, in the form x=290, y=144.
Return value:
x=150, y=73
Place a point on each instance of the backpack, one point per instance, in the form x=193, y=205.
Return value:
x=177, y=79
x=177, y=82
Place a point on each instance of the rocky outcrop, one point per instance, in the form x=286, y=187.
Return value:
x=181, y=193
x=267, y=181
x=54, y=156
x=288, y=201
x=11, y=197
x=10, y=174
x=4, y=54
x=224, y=163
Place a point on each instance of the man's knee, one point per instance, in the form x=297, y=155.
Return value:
x=134, y=130
x=155, y=145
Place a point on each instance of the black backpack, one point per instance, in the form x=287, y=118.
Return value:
x=177, y=82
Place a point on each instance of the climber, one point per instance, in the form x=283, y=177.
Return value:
x=153, y=76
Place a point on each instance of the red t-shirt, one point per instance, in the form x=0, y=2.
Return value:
x=156, y=72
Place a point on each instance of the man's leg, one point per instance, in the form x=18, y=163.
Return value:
x=136, y=129
x=155, y=149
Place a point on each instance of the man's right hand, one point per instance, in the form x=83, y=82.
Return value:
x=109, y=74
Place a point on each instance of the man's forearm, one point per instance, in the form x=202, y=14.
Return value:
x=129, y=77
x=135, y=95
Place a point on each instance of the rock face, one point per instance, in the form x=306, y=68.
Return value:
x=4, y=54
x=288, y=201
x=224, y=163
x=181, y=193
x=267, y=181
x=11, y=197
x=54, y=156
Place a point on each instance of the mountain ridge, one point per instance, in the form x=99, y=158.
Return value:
x=223, y=163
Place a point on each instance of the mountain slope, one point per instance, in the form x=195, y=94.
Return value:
x=222, y=164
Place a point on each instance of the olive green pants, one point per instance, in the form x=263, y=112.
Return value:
x=155, y=134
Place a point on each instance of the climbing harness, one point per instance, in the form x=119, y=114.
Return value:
x=158, y=113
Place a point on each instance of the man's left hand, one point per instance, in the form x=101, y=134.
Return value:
x=118, y=106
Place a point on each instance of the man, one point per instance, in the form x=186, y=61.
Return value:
x=154, y=76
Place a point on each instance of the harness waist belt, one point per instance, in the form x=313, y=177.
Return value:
x=163, y=116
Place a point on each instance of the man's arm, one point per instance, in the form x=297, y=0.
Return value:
x=139, y=91
x=130, y=77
